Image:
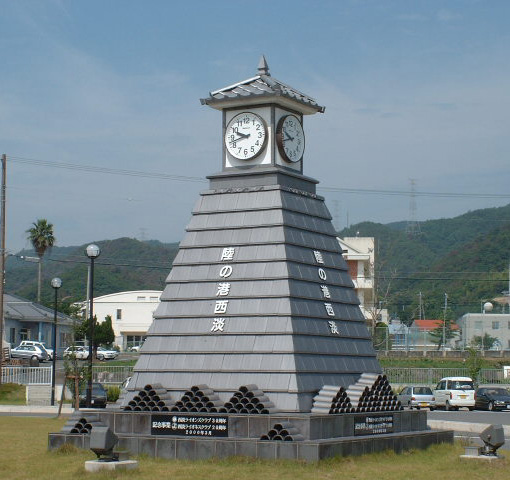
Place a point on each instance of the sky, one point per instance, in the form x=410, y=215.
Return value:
x=90, y=89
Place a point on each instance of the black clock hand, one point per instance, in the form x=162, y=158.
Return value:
x=244, y=135
x=288, y=136
x=240, y=138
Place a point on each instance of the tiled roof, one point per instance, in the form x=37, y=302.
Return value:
x=432, y=324
x=22, y=309
x=262, y=87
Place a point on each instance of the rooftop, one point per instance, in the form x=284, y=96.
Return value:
x=262, y=88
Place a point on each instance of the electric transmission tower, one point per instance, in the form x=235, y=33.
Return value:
x=413, y=226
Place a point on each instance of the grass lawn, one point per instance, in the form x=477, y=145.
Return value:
x=12, y=394
x=24, y=455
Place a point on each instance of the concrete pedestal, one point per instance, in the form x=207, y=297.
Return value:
x=98, y=466
x=321, y=436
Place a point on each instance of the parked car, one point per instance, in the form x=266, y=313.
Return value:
x=492, y=398
x=81, y=353
x=417, y=397
x=104, y=354
x=97, y=399
x=452, y=393
x=41, y=345
x=32, y=352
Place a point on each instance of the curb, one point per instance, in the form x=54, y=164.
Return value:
x=463, y=426
x=42, y=409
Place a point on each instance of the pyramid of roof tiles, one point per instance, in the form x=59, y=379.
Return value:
x=259, y=293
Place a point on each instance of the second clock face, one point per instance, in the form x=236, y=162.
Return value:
x=245, y=136
x=290, y=138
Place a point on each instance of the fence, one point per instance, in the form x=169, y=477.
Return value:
x=431, y=376
x=26, y=375
x=113, y=374
x=117, y=374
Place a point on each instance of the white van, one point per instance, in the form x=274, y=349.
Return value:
x=455, y=392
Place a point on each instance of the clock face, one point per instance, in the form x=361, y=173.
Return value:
x=245, y=136
x=290, y=138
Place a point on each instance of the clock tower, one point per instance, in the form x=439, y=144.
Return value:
x=259, y=293
x=262, y=122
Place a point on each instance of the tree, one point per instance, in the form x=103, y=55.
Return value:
x=103, y=333
x=443, y=332
x=41, y=237
x=485, y=342
x=474, y=363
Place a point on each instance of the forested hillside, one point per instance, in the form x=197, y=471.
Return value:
x=124, y=264
x=466, y=257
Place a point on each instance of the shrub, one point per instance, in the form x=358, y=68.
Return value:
x=112, y=393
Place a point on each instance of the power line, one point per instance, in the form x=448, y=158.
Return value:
x=110, y=171
x=183, y=178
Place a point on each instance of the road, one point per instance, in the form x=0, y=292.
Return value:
x=476, y=416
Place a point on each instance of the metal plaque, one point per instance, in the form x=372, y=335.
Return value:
x=373, y=424
x=189, y=425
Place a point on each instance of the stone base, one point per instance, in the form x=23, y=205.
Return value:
x=97, y=466
x=321, y=436
x=485, y=458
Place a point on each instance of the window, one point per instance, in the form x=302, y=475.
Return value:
x=478, y=325
x=12, y=335
x=140, y=299
x=156, y=299
x=119, y=314
x=24, y=334
x=508, y=325
x=495, y=325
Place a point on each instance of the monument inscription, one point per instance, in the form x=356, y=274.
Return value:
x=373, y=424
x=189, y=425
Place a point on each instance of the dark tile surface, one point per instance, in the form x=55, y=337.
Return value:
x=165, y=448
x=246, y=448
x=205, y=449
x=225, y=448
x=123, y=422
x=185, y=449
x=147, y=445
x=142, y=424
x=238, y=426
x=266, y=450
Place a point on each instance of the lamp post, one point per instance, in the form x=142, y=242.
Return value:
x=56, y=283
x=92, y=251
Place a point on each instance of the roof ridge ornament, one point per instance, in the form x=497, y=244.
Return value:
x=263, y=67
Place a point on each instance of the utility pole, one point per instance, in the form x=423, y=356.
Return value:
x=421, y=313
x=2, y=260
x=444, y=320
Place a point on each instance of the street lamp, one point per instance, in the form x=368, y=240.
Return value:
x=56, y=283
x=92, y=251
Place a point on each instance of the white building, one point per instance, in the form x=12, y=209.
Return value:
x=496, y=325
x=131, y=314
x=359, y=254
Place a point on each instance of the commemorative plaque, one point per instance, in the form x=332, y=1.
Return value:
x=190, y=425
x=373, y=424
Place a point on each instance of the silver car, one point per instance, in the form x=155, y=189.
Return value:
x=32, y=352
x=417, y=397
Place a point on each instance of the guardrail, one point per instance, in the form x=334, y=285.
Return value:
x=26, y=375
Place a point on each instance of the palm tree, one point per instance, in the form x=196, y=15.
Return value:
x=41, y=237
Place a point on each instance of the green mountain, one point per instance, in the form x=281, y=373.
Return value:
x=124, y=264
x=466, y=257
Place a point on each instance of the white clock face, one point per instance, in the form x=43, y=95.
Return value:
x=290, y=138
x=245, y=136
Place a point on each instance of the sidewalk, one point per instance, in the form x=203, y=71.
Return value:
x=38, y=409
